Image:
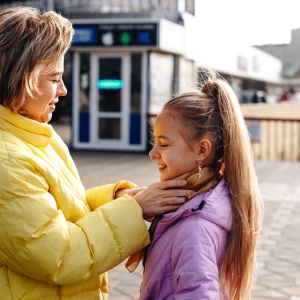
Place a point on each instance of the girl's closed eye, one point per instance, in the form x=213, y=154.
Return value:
x=163, y=142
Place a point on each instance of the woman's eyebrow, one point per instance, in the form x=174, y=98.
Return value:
x=55, y=73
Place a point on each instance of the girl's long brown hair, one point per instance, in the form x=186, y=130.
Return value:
x=216, y=109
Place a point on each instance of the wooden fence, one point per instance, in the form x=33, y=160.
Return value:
x=274, y=130
x=275, y=139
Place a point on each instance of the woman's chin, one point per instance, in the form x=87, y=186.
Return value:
x=47, y=118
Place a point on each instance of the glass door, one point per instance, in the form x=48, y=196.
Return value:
x=111, y=92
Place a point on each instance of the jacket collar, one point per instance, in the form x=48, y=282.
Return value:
x=217, y=208
x=30, y=131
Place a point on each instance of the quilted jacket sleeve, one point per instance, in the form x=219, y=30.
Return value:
x=107, y=193
x=43, y=238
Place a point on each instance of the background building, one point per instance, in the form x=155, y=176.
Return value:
x=289, y=54
x=129, y=57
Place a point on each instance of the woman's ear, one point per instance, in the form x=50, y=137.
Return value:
x=205, y=150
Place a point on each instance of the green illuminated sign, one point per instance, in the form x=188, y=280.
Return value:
x=109, y=84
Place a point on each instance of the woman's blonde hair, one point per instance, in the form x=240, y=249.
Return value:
x=31, y=43
x=215, y=109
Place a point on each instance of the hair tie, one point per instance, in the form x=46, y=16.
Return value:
x=210, y=89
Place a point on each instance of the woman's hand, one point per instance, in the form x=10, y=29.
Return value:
x=162, y=197
x=130, y=192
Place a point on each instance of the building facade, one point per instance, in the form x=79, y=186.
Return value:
x=289, y=54
x=128, y=57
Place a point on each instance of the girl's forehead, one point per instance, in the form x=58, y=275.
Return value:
x=166, y=125
x=165, y=116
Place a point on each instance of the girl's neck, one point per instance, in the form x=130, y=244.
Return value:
x=209, y=179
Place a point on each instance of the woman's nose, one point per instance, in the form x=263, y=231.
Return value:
x=62, y=90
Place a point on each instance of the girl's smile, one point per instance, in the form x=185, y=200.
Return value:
x=171, y=152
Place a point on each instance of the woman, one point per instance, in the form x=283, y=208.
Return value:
x=57, y=239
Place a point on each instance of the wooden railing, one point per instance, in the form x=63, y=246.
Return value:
x=274, y=129
x=274, y=138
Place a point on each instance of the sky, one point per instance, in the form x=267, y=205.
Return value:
x=248, y=22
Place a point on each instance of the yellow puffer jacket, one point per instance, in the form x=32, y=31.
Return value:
x=56, y=239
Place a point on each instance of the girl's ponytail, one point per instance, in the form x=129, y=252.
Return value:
x=239, y=260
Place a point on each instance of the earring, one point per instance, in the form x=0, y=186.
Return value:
x=199, y=169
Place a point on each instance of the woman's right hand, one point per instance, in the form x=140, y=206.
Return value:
x=162, y=197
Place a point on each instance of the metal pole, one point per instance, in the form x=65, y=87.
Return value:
x=49, y=4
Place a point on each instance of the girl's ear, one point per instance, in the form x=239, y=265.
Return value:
x=204, y=150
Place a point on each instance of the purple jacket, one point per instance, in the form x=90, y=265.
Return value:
x=184, y=257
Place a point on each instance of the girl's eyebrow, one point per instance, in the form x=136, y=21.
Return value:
x=162, y=137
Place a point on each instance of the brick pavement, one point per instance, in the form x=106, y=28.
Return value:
x=278, y=275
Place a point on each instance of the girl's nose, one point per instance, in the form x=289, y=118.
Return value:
x=153, y=153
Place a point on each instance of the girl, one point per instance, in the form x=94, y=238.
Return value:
x=207, y=248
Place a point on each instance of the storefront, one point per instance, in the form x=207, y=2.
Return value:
x=121, y=72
